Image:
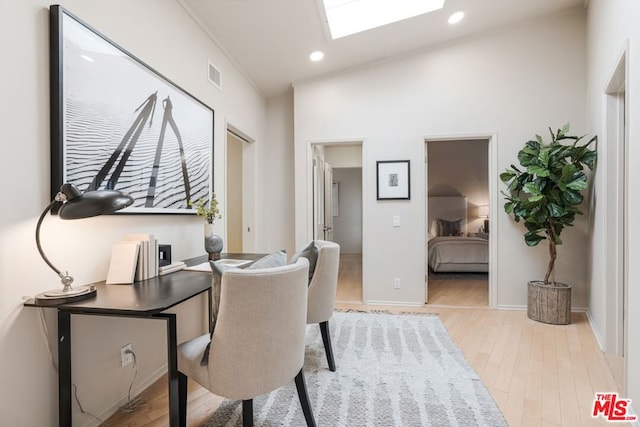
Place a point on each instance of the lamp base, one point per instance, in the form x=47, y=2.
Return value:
x=59, y=296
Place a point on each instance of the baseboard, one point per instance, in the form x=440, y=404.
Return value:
x=594, y=330
x=138, y=388
x=511, y=307
x=395, y=303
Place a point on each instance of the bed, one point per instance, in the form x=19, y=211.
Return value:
x=449, y=254
x=449, y=248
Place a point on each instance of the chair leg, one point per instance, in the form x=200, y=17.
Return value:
x=304, y=399
x=182, y=398
x=247, y=413
x=326, y=339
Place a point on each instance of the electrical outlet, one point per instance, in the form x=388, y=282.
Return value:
x=125, y=357
x=396, y=283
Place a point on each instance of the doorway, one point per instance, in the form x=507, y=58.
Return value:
x=236, y=191
x=459, y=205
x=337, y=210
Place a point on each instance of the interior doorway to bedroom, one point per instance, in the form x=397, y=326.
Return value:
x=458, y=222
x=337, y=210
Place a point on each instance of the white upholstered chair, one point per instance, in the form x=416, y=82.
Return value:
x=258, y=341
x=322, y=292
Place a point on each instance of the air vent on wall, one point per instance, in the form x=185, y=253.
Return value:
x=214, y=76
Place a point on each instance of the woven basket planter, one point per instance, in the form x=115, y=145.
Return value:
x=549, y=303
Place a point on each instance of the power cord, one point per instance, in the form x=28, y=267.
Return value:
x=138, y=402
x=45, y=331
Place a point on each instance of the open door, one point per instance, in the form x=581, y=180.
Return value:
x=328, y=202
x=322, y=197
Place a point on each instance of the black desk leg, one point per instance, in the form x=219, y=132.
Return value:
x=172, y=362
x=64, y=369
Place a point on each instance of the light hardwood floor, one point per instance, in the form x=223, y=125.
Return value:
x=538, y=374
x=462, y=293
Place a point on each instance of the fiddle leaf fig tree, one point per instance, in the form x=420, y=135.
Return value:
x=546, y=190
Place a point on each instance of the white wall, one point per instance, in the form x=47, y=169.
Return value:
x=161, y=34
x=344, y=155
x=513, y=82
x=611, y=25
x=274, y=202
x=347, y=226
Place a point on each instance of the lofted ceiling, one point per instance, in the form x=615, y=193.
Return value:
x=270, y=40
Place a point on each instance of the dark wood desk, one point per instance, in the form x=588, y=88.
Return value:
x=148, y=299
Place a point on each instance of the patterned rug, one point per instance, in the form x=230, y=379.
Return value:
x=392, y=370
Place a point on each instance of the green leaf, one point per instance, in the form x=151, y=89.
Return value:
x=532, y=238
x=572, y=197
x=507, y=176
x=555, y=210
x=538, y=170
x=537, y=198
x=508, y=207
x=565, y=128
x=544, y=156
x=578, y=184
x=531, y=188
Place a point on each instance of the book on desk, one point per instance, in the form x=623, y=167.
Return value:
x=126, y=260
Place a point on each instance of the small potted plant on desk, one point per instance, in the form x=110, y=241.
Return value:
x=546, y=194
x=213, y=243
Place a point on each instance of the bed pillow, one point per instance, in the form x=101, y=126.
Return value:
x=449, y=228
x=433, y=230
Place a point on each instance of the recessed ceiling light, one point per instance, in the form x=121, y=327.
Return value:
x=456, y=17
x=316, y=56
x=346, y=17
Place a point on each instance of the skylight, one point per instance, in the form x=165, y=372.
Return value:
x=346, y=17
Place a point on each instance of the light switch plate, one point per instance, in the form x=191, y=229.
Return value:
x=396, y=221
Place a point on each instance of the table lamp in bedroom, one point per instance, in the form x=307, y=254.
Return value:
x=483, y=212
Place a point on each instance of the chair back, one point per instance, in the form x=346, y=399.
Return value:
x=322, y=288
x=258, y=342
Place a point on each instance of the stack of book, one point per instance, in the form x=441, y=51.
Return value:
x=133, y=258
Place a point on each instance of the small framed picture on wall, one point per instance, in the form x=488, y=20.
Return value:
x=393, y=180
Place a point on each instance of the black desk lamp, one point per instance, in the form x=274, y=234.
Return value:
x=70, y=203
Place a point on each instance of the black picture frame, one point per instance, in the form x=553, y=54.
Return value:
x=116, y=123
x=393, y=180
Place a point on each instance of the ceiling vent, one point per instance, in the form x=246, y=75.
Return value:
x=214, y=76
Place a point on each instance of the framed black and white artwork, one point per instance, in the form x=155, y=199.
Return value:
x=393, y=180
x=116, y=123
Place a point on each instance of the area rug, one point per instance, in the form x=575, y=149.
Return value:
x=392, y=370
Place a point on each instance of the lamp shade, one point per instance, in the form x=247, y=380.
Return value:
x=92, y=203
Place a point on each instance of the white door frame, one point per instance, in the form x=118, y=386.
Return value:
x=249, y=164
x=616, y=214
x=310, y=144
x=492, y=154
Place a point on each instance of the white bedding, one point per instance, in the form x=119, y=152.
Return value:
x=458, y=254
